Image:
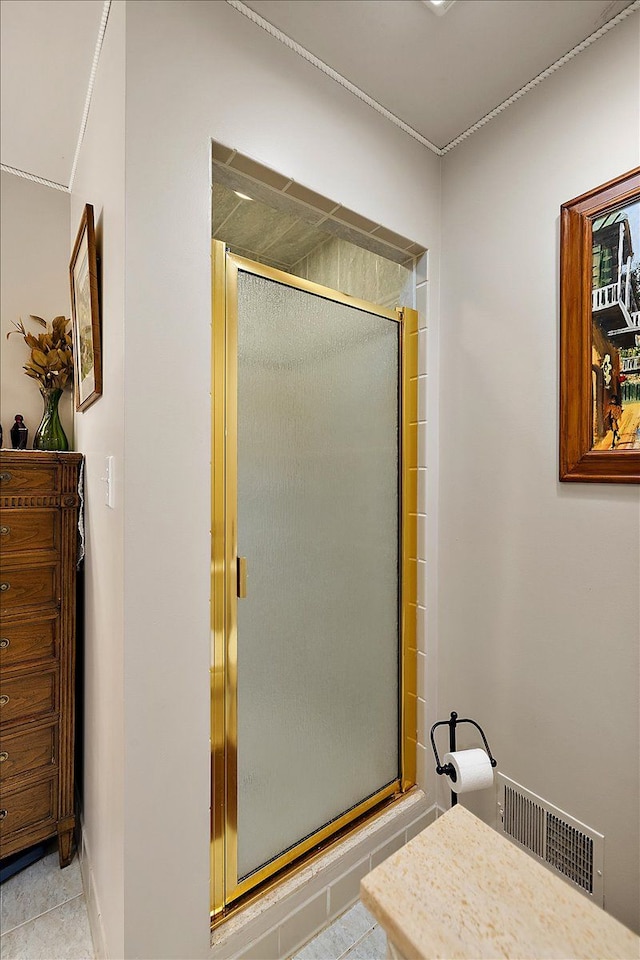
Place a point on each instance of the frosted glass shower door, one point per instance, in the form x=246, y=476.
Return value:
x=318, y=420
x=313, y=567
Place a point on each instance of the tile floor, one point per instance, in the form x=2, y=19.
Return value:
x=43, y=917
x=43, y=914
x=353, y=936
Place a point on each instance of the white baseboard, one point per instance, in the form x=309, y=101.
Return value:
x=91, y=898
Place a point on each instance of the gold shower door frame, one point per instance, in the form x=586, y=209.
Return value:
x=226, y=891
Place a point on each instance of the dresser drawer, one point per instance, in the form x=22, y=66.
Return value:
x=22, y=586
x=28, y=750
x=37, y=531
x=26, y=478
x=27, y=642
x=27, y=697
x=27, y=807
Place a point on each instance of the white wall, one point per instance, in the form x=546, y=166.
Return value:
x=517, y=567
x=100, y=432
x=35, y=279
x=196, y=71
x=538, y=610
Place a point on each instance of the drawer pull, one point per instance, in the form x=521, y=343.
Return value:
x=5, y=477
x=5, y=586
x=4, y=700
x=5, y=531
x=4, y=756
x=3, y=814
x=4, y=643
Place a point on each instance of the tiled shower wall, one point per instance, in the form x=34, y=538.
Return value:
x=421, y=289
x=343, y=266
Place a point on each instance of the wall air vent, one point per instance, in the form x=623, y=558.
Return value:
x=557, y=840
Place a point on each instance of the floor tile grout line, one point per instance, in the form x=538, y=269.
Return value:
x=357, y=942
x=43, y=914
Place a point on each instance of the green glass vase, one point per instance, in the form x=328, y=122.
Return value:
x=50, y=435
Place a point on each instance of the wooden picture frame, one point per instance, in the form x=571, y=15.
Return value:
x=85, y=313
x=600, y=334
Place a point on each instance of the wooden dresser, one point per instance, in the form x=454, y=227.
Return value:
x=39, y=506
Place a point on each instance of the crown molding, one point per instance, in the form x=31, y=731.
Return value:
x=269, y=28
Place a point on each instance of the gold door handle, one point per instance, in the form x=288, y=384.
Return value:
x=4, y=700
x=4, y=756
x=242, y=577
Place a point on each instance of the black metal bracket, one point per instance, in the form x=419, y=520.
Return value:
x=448, y=768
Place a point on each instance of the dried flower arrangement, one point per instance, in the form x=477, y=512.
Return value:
x=51, y=360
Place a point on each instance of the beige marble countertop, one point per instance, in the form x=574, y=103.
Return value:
x=460, y=891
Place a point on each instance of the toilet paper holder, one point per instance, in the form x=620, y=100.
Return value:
x=448, y=768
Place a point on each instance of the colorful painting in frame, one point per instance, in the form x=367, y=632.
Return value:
x=600, y=334
x=86, y=314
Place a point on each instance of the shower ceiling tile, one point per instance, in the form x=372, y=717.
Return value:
x=368, y=241
x=354, y=219
x=390, y=237
x=220, y=153
x=260, y=191
x=282, y=231
x=224, y=202
x=297, y=243
x=302, y=204
x=255, y=227
x=309, y=196
x=259, y=172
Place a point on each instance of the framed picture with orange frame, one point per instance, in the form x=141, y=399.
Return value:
x=600, y=334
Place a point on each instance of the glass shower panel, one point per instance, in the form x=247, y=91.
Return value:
x=318, y=649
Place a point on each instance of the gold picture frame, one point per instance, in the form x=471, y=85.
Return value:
x=85, y=313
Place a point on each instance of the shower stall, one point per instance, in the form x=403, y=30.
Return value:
x=314, y=490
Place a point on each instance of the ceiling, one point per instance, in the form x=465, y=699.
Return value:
x=47, y=53
x=439, y=74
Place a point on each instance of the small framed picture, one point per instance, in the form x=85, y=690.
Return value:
x=85, y=313
x=600, y=334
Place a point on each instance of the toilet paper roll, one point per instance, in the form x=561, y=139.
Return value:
x=473, y=770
